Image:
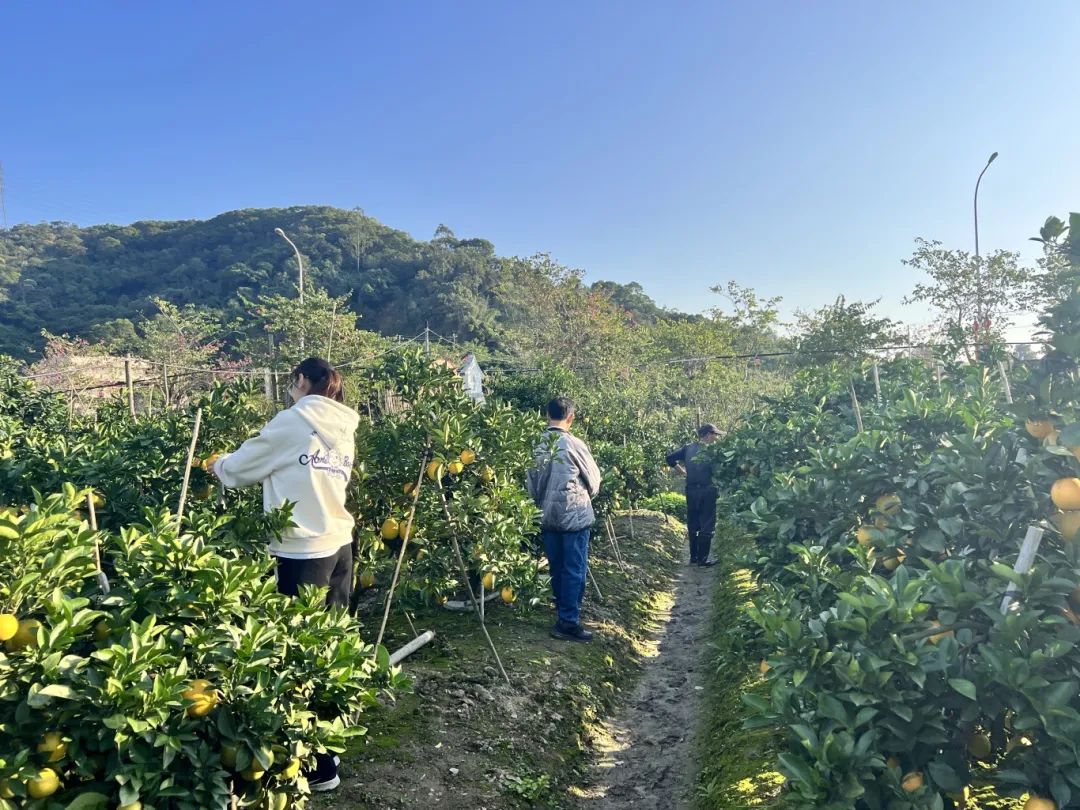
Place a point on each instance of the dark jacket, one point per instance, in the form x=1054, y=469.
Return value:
x=699, y=475
x=564, y=482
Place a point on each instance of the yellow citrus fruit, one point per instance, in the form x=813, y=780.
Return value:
x=53, y=744
x=292, y=770
x=864, y=535
x=25, y=636
x=367, y=579
x=913, y=781
x=45, y=784
x=209, y=460
x=9, y=626
x=467, y=456
x=203, y=698
x=979, y=746
x=98, y=500
x=888, y=504
x=409, y=487
x=280, y=801
x=441, y=600
x=253, y=774
x=508, y=594
x=487, y=474
x=892, y=563
x=764, y=667
x=435, y=469
x=405, y=531
x=1039, y=803
x=1039, y=428
x=488, y=581
x=934, y=639
x=135, y=805
x=1068, y=523
x=455, y=467
x=389, y=529
x=1065, y=493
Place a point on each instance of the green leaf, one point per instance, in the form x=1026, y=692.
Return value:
x=964, y=687
x=87, y=801
x=797, y=768
x=945, y=777
x=45, y=695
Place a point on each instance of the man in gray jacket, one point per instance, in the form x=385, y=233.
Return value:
x=563, y=484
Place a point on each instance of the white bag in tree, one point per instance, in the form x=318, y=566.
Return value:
x=474, y=379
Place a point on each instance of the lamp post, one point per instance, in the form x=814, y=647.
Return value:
x=993, y=157
x=979, y=314
x=300, y=264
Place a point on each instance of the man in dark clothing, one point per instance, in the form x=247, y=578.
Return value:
x=700, y=494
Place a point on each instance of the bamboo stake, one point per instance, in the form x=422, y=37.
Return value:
x=268, y=386
x=165, y=383
x=855, y=408
x=103, y=581
x=404, y=546
x=1024, y=561
x=877, y=385
x=187, y=469
x=130, y=387
x=468, y=585
x=592, y=579
x=1005, y=382
x=609, y=525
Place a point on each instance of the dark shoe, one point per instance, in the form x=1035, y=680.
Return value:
x=707, y=563
x=325, y=776
x=571, y=633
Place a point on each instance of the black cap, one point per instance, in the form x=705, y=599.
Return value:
x=706, y=429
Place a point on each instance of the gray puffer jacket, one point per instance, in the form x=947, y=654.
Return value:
x=564, y=482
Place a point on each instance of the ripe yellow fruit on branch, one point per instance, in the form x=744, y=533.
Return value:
x=367, y=579
x=455, y=467
x=1039, y=803
x=934, y=639
x=135, y=805
x=408, y=488
x=864, y=535
x=1068, y=523
x=53, y=744
x=203, y=698
x=25, y=636
x=892, y=563
x=467, y=456
x=9, y=626
x=435, y=469
x=913, y=781
x=888, y=504
x=209, y=460
x=45, y=784
x=1065, y=493
x=390, y=529
x=292, y=770
x=405, y=531
x=508, y=594
x=487, y=474
x=1039, y=428
x=488, y=581
x=253, y=774
x=764, y=667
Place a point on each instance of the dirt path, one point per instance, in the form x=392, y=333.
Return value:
x=643, y=756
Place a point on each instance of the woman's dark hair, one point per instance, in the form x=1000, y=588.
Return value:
x=325, y=381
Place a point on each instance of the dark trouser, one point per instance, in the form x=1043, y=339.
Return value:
x=333, y=572
x=700, y=521
x=568, y=558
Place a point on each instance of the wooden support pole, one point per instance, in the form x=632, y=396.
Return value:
x=268, y=386
x=404, y=546
x=103, y=581
x=1024, y=561
x=855, y=408
x=187, y=470
x=1005, y=382
x=130, y=387
x=592, y=579
x=165, y=383
x=877, y=386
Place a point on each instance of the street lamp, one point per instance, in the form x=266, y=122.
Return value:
x=300, y=262
x=993, y=157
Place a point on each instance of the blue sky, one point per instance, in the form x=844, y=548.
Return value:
x=794, y=147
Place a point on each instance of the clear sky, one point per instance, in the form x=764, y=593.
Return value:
x=795, y=147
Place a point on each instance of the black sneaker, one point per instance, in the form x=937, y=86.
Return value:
x=571, y=633
x=324, y=777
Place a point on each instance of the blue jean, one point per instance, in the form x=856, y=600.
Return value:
x=568, y=558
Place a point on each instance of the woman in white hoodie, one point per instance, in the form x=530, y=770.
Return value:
x=305, y=456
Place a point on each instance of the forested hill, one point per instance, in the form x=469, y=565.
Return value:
x=72, y=280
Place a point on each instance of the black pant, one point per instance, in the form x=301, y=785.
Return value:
x=700, y=521
x=334, y=572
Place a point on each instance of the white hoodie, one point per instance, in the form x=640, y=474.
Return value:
x=305, y=455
